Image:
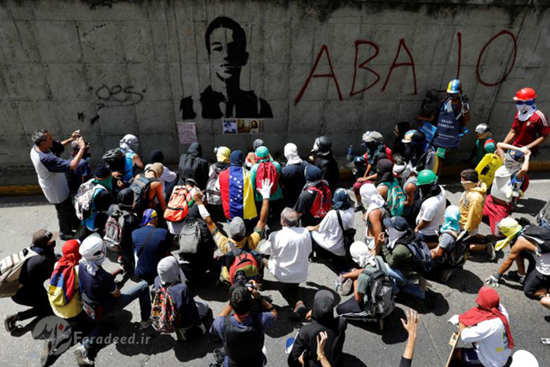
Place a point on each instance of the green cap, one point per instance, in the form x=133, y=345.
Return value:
x=426, y=177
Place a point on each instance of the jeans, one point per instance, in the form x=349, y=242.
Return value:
x=66, y=216
x=399, y=282
x=141, y=291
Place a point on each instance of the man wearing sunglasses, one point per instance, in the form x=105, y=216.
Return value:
x=530, y=128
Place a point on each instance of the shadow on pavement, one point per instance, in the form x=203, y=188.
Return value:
x=393, y=332
x=529, y=206
x=351, y=361
x=465, y=281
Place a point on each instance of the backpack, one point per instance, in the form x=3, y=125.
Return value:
x=540, y=235
x=460, y=254
x=83, y=198
x=115, y=159
x=380, y=303
x=190, y=238
x=543, y=218
x=267, y=170
x=114, y=229
x=349, y=234
x=10, y=271
x=140, y=187
x=421, y=253
x=244, y=263
x=213, y=193
x=178, y=205
x=323, y=200
x=396, y=199
x=165, y=317
x=188, y=167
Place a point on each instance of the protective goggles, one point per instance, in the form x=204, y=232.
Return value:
x=528, y=103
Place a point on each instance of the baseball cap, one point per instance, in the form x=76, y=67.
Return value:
x=482, y=128
x=399, y=223
x=237, y=228
x=42, y=237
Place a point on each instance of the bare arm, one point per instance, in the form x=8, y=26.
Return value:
x=437, y=252
x=423, y=224
x=209, y=222
x=409, y=191
x=263, y=214
x=160, y=196
x=226, y=310
x=525, y=166
x=375, y=219
x=538, y=141
x=138, y=162
x=510, y=136
x=520, y=245
x=411, y=325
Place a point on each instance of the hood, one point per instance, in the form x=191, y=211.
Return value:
x=323, y=306
x=195, y=149
x=237, y=158
x=291, y=154
x=481, y=188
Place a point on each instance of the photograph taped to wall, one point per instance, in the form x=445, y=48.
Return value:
x=250, y=126
x=229, y=126
x=187, y=132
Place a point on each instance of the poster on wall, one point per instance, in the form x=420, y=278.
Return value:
x=250, y=126
x=187, y=132
x=229, y=126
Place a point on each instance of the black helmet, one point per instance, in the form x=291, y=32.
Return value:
x=323, y=144
x=418, y=137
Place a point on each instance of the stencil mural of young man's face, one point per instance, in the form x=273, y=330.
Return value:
x=225, y=42
x=226, y=46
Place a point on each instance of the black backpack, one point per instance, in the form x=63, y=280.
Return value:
x=188, y=167
x=349, y=234
x=540, y=235
x=460, y=253
x=115, y=159
x=421, y=253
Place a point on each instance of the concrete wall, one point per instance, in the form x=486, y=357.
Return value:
x=125, y=67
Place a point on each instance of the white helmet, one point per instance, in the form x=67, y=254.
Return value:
x=92, y=248
x=523, y=358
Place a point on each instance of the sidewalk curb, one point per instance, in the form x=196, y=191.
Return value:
x=345, y=175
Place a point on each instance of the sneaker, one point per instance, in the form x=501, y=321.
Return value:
x=446, y=274
x=358, y=207
x=81, y=355
x=10, y=323
x=515, y=276
x=46, y=352
x=490, y=251
x=181, y=333
x=345, y=287
x=145, y=324
x=202, y=328
x=66, y=236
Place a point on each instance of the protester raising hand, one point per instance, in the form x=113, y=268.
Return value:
x=411, y=325
x=321, y=342
x=265, y=190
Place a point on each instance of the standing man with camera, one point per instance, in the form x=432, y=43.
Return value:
x=242, y=330
x=51, y=171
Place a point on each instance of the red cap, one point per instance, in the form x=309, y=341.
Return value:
x=525, y=94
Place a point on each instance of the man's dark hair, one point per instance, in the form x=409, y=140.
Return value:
x=39, y=136
x=240, y=299
x=239, y=37
x=470, y=175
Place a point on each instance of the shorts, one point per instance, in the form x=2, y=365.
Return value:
x=535, y=281
x=470, y=358
x=357, y=186
x=495, y=212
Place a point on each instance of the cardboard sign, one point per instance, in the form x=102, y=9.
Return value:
x=187, y=132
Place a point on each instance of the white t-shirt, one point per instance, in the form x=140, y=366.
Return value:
x=51, y=170
x=501, y=186
x=489, y=339
x=330, y=235
x=432, y=210
x=290, y=248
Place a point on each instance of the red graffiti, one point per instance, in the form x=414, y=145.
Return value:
x=362, y=66
x=506, y=72
x=459, y=36
x=396, y=64
x=332, y=75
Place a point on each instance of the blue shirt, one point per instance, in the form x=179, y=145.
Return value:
x=98, y=287
x=155, y=249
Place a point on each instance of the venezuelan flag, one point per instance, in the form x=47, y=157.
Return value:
x=237, y=194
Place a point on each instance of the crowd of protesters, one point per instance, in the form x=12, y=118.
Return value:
x=166, y=229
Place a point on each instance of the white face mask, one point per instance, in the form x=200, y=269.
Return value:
x=525, y=111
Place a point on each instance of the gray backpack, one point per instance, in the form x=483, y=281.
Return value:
x=190, y=238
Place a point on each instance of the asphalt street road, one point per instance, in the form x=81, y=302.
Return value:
x=364, y=346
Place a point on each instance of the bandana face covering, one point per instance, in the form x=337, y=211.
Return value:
x=468, y=185
x=393, y=236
